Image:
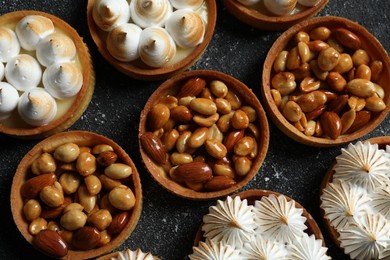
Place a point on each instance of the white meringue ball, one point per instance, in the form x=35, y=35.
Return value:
x=280, y=7
x=9, y=44
x=147, y=13
x=36, y=107
x=123, y=40
x=1, y=71
x=108, y=14
x=156, y=47
x=23, y=72
x=248, y=2
x=31, y=29
x=191, y=4
x=56, y=47
x=62, y=80
x=186, y=27
x=308, y=2
x=9, y=98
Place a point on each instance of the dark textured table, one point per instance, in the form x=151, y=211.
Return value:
x=168, y=224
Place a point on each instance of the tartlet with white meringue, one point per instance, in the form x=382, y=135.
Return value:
x=128, y=254
x=151, y=39
x=259, y=224
x=50, y=69
x=355, y=199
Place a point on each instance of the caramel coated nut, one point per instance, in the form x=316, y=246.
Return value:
x=311, y=101
x=106, y=158
x=169, y=139
x=284, y=82
x=361, y=88
x=87, y=200
x=118, y=222
x=292, y=111
x=223, y=106
x=67, y=152
x=86, y=164
x=215, y=148
x=218, y=88
x=51, y=243
x=331, y=124
x=192, y=87
x=153, y=147
x=193, y=172
x=32, y=209
x=122, y=198
x=347, y=38
x=107, y=182
x=180, y=158
x=328, y=59
x=345, y=63
x=198, y=137
x=375, y=104
x=244, y=146
x=232, y=138
x=73, y=219
x=206, y=121
x=158, y=116
x=118, y=171
x=101, y=219
x=44, y=164
x=37, y=225
x=52, y=196
x=234, y=99
x=240, y=120
x=219, y=183
x=97, y=149
x=203, y=106
x=320, y=33
x=280, y=62
x=181, y=114
x=86, y=238
x=70, y=182
x=242, y=166
x=93, y=184
x=31, y=188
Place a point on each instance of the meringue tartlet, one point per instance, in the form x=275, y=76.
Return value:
x=151, y=39
x=48, y=77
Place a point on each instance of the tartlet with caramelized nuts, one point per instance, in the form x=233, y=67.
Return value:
x=156, y=17
x=53, y=84
x=203, y=134
x=259, y=223
x=256, y=14
x=326, y=82
x=76, y=195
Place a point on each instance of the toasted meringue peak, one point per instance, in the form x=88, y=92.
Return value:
x=308, y=3
x=134, y=255
x=190, y=4
x=9, y=45
x=56, y=47
x=147, y=13
x=186, y=27
x=23, y=72
x=280, y=7
x=365, y=239
x=31, y=29
x=62, y=80
x=380, y=202
x=342, y=202
x=384, y=253
x=260, y=249
x=2, y=71
x=211, y=250
x=108, y=14
x=156, y=47
x=363, y=164
x=123, y=40
x=231, y=221
x=9, y=98
x=248, y=2
x=278, y=219
x=308, y=247
x=36, y=107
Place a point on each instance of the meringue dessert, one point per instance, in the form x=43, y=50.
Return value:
x=356, y=200
x=175, y=31
x=49, y=66
x=272, y=228
x=279, y=7
x=129, y=255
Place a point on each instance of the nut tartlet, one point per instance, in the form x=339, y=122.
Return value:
x=42, y=63
x=318, y=104
x=98, y=189
x=245, y=213
x=355, y=199
x=148, y=20
x=229, y=132
x=257, y=15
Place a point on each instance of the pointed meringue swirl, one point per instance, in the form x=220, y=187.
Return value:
x=23, y=72
x=36, y=107
x=259, y=249
x=9, y=98
x=31, y=29
x=308, y=247
x=108, y=14
x=56, y=47
x=186, y=27
x=381, y=202
x=134, y=255
x=62, y=80
x=188, y=4
x=156, y=47
x=9, y=45
x=147, y=13
x=211, y=250
x=123, y=40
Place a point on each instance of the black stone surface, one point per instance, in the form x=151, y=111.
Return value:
x=168, y=224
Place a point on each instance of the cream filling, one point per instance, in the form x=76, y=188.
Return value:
x=15, y=121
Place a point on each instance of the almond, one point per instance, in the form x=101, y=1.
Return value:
x=219, y=183
x=338, y=104
x=193, y=172
x=362, y=118
x=192, y=87
x=158, y=116
x=331, y=124
x=118, y=222
x=153, y=147
x=86, y=238
x=315, y=113
x=106, y=158
x=181, y=114
x=31, y=188
x=347, y=38
x=232, y=138
x=50, y=213
x=50, y=243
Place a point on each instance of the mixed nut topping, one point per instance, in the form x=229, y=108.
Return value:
x=78, y=198
x=326, y=85
x=204, y=137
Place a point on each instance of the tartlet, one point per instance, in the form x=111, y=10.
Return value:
x=259, y=17
x=375, y=52
x=149, y=148
x=137, y=254
x=359, y=213
x=82, y=139
x=69, y=109
x=138, y=69
x=239, y=207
